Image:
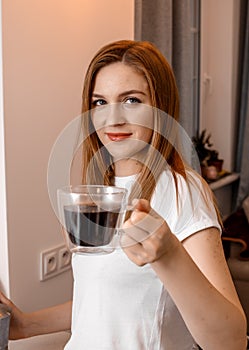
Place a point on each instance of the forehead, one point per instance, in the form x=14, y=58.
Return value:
x=120, y=75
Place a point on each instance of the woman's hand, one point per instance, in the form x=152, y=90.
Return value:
x=146, y=236
x=49, y=320
x=17, y=321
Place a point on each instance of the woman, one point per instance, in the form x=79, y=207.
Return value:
x=169, y=287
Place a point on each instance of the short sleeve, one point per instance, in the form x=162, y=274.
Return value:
x=189, y=212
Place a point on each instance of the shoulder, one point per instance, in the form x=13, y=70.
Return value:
x=190, y=185
x=185, y=203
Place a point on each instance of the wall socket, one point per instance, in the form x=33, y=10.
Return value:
x=54, y=261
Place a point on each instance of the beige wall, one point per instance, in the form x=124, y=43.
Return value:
x=4, y=259
x=219, y=47
x=47, y=46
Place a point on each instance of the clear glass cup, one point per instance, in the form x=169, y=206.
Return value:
x=90, y=216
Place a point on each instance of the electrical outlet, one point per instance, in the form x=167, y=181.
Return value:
x=64, y=259
x=54, y=261
x=48, y=264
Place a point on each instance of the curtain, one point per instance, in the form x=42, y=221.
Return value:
x=242, y=159
x=173, y=27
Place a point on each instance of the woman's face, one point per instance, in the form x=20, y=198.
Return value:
x=121, y=114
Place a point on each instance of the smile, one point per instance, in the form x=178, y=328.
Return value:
x=118, y=136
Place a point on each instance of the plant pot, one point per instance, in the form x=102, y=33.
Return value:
x=217, y=163
x=203, y=170
x=211, y=172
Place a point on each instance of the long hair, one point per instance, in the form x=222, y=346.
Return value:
x=146, y=59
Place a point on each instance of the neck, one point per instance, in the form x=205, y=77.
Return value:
x=127, y=167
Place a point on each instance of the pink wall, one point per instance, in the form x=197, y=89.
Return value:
x=219, y=48
x=47, y=46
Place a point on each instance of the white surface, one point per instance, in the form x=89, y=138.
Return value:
x=55, y=341
x=224, y=181
x=224, y=191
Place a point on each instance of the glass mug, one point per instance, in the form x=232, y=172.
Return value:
x=91, y=216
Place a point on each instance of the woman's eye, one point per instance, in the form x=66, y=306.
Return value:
x=98, y=102
x=132, y=100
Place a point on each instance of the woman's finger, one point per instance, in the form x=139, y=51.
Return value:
x=146, y=222
x=132, y=235
x=4, y=300
x=137, y=254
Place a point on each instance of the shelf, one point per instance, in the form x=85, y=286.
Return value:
x=224, y=181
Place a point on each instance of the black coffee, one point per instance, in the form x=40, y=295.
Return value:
x=88, y=226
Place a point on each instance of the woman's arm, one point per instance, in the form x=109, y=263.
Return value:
x=196, y=275
x=204, y=293
x=49, y=320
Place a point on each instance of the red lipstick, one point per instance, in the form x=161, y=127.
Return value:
x=118, y=136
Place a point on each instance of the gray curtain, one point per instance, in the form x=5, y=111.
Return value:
x=171, y=25
x=242, y=160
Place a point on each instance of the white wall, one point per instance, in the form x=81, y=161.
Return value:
x=47, y=46
x=219, y=47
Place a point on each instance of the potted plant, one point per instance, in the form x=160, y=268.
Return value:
x=208, y=157
x=202, y=146
x=214, y=160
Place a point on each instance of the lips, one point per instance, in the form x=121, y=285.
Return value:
x=118, y=136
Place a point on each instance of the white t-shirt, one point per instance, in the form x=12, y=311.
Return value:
x=118, y=305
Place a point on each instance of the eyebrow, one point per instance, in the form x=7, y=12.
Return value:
x=125, y=93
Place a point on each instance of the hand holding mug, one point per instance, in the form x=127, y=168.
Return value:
x=146, y=235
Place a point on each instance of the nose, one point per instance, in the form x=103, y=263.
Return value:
x=115, y=115
x=108, y=115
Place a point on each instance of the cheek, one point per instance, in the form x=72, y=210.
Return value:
x=99, y=117
x=100, y=134
x=145, y=134
x=142, y=118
